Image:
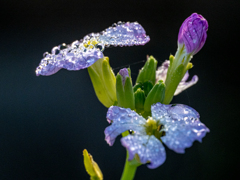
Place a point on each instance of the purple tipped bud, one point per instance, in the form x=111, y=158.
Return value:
x=193, y=33
x=124, y=73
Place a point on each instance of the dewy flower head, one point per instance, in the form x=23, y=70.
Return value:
x=177, y=126
x=161, y=74
x=193, y=33
x=82, y=54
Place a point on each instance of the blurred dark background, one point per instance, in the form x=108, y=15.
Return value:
x=46, y=122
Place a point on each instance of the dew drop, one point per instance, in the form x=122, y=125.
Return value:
x=62, y=46
x=45, y=54
x=99, y=46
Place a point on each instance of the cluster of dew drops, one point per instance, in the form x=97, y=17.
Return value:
x=115, y=35
x=79, y=44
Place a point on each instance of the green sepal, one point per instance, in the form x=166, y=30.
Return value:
x=137, y=86
x=129, y=96
x=148, y=72
x=129, y=72
x=171, y=58
x=139, y=100
x=146, y=87
x=189, y=66
x=104, y=81
x=99, y=88
x=120, y=91
x=155, y=95
x=173, y=82
x=109, y=77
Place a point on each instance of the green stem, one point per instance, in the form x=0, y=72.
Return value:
x=129, y=169
x=130, y=166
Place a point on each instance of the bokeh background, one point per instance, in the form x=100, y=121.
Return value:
x=46, y=122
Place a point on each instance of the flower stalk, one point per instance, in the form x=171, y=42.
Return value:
x=191, y=38
x=130, y=168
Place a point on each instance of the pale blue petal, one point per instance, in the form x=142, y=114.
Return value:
x=160, y=111
x=85, y=52
x=184, y=84
x=148, y=148
x=181, y=124
x=161, y=74
x=70, y=59
x=122, y=120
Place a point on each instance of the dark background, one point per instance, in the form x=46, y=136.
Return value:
x=46, y=122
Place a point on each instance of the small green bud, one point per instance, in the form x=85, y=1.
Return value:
x=139, y=100
x=137, y=86
x=91, y=166
x=146, y=87
x=156, y=94
x=148, y=72
x=124, y=89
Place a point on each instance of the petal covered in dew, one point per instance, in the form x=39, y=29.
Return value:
x=148, y=149
x=85, y=52
x=181, y=125
x=122, y=120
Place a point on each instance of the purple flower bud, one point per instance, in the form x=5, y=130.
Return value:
x=193, y=33
x=124, y=73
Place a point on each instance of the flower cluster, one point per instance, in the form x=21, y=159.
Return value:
x=144, y=107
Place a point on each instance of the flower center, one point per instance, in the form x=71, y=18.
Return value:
x=153, y=127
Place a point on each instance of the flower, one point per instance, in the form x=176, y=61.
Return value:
x=82, y=54
x=177, y=126
x=161, y=74
x=193, y=33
